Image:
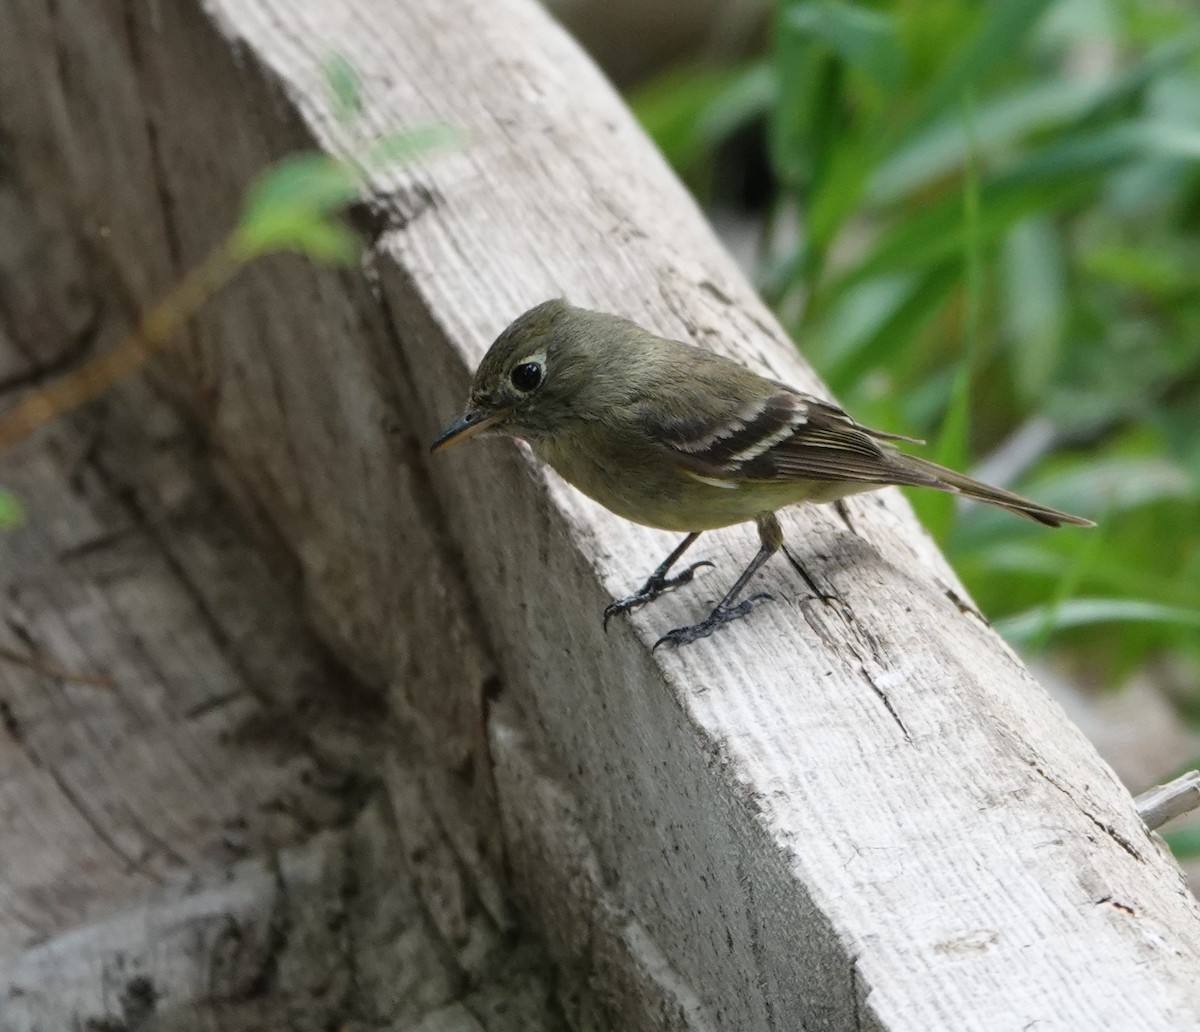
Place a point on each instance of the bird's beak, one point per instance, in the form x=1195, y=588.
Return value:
x=468, y=424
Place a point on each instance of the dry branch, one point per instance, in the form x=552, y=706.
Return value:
x=1166, y=802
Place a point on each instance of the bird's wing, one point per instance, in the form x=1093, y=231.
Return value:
x=758, y=429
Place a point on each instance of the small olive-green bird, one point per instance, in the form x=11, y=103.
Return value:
x=675, y=437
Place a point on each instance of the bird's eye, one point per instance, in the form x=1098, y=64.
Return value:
x=526, y=376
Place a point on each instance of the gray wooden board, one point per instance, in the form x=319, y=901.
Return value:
x=165, y=860
x=192, y=828
x=855, y=810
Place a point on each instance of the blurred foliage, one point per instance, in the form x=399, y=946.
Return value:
x=296, y=204
x=1184, y=843
x=981, y=227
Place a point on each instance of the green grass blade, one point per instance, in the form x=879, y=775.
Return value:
x=911, y=305
x=953, y=446
x=1067, y=106
x=1002, y=29
x=1035, y=302
x=688, y=111
x=861, y=38
x=1031, y=625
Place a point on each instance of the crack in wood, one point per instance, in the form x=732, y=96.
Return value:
x=8, y=720
x=1103, y=826
x=887, y=703
x=818, y=593
x=80, y=348
x=710, y=288
x=862, y=645
x=843, y=510
x=392, y=211
x=450, y=554
x=132, y=864
x=964, y=606
x=101, y=543
x=166, y=202
x=279, y=930
x=1116, y=904
x=858, y=1023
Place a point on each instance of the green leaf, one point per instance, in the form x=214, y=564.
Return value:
x=1003, y=27
x=1105, y=149
x=1156, y=273
x=1039, y=561
x=1035, y=302
x=288, y=208
x=1117, y=483
x=403, y=148
x=1145, y=72
x=747, y=96
x=346, y=87
x=911, y=302
x=861, y=38
x=312, y=184
x=807, y=111
x=1056, y=177
x=323, y=240
x=1009, y=117
x=818, y=144
x=839, y=192
x=1087, y=612
x=954, y=445
x=1104, y=484
x=690, y=111
x=12, y=512
x=1001, y=123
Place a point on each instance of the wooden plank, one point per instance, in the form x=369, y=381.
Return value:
x=857, y=809
x=175, y=748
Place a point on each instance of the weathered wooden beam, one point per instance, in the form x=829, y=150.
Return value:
x=855, y=810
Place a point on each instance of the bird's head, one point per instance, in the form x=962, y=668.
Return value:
x=529, y=382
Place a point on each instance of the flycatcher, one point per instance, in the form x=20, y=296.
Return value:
x=675, y=437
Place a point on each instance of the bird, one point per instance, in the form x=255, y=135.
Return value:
x=672, y=436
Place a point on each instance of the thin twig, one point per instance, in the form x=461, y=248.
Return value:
x=44, y=665
x=102, y=372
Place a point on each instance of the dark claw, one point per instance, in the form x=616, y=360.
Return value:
x=719, y=616
x=651, y=590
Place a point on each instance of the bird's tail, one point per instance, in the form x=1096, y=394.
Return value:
x=945, y=479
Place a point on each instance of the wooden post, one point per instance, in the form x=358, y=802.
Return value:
x=855, y=810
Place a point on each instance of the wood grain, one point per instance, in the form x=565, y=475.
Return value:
x=857, y=809
x=195, y=833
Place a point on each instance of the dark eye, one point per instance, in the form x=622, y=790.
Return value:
x=526, y=376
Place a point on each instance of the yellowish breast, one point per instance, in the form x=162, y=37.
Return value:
x=643, y=485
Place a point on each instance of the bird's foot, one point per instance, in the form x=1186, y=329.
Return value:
x=720, y=615
x=649, y=591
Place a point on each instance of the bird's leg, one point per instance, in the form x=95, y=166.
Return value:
x=659, y=582
x=729, y=609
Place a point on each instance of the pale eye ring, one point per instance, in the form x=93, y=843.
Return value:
x=526, y=377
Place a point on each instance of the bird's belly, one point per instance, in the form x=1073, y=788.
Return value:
x=664, y=496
